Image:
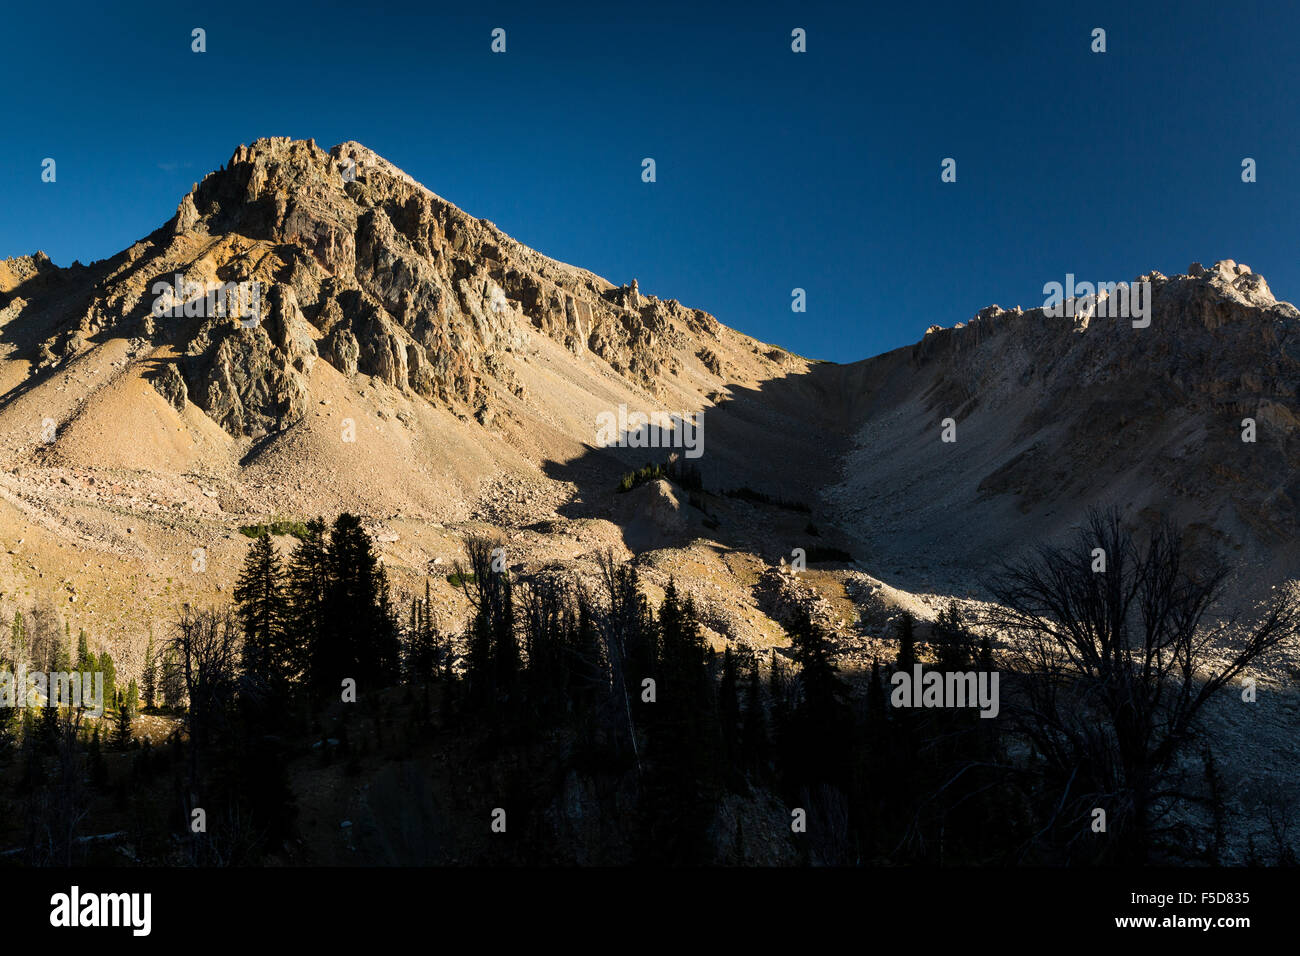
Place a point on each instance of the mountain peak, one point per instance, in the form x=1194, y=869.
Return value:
x=351, y=262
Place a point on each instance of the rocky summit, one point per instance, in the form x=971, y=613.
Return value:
x=366, y=269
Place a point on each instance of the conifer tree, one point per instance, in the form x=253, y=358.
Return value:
x=422, y=656
x=822, y=713
x=18, y=640
x=85, y=660
x=50, y=722
x=358, y=636
x=260, y=606
x=682, y=786
x=546, y=621
x=876, y=699
x=906, y=643
x=383, y=643
x=109, y=670
x=628, y=635
x=494, y=660
x=122, y=726
x=755, y=743
x=588, y=681
x=779, y=693
x=150, y=675
x=9, y=724
x=63, y=660
x=307, y=589
x=132, y=702
x=955, y=644
x=172, y=679
x=729, y=717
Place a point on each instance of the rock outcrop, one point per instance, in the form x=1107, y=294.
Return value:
x=1193, y=416
x=360, y=266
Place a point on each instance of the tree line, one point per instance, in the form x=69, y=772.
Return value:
x=687, y=753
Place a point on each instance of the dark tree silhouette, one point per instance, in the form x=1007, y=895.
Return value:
x=260, y=606
x=307, y=616
x=1115, y=666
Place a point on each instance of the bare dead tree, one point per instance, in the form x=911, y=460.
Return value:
x=613, y=624
x=1279, y=802
x=207, y=646
x=1113, y=643
x=493, y=656
x=57, y=807
x=44, y=635
x=208, y=649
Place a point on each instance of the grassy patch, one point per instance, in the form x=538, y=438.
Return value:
x=686, y=475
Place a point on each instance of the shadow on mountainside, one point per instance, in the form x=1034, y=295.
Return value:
x=765, y=455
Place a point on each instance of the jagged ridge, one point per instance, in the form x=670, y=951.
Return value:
x=373, y=274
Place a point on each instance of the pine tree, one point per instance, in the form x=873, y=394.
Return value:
x=172, y=679
x=358, y=635
x=306, y=592
x=422, y=653
x=479, y=673
x=954, y=641
x=755, y=744
x=588, y=683
x=150, y=675
x=383, y=643
x=494, y=667
x=778, y=688
x=85, y=660
x=9, y=724
x=684, y=736
x=906, y=643
x=506, y=659
x=63, y=660
x=18, y=640
x=50, y=722
x=822, y=714
x=546, y=621
x=122, y=727
x=876, y=699
x=438, y=655
x=109, y=670
x=729, y=717
x=260, y=604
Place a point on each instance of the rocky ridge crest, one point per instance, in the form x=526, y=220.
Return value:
x=367, y=270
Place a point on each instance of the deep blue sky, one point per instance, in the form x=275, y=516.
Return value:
x=775, y=170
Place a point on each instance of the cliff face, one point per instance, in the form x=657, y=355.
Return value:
x=1193, y=416
x=361, y=267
